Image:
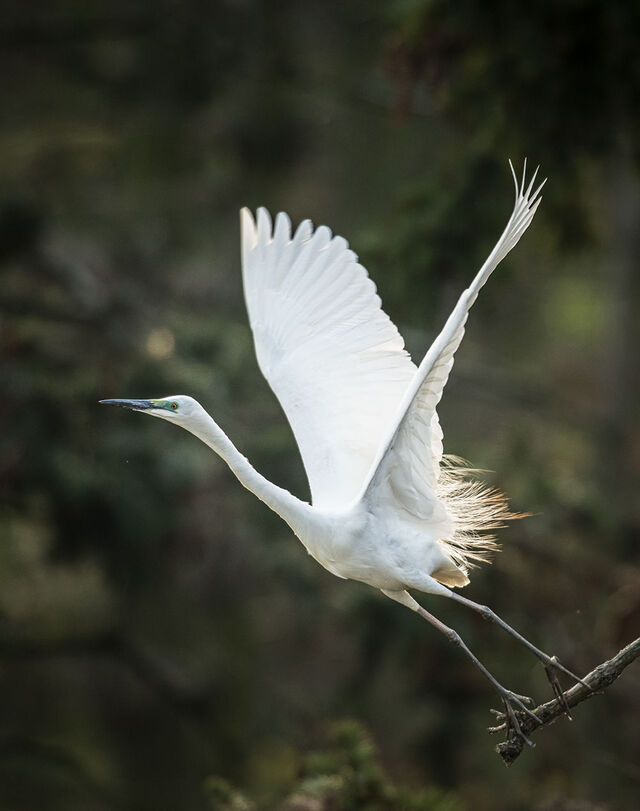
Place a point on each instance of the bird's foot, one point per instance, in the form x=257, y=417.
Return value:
x=551, y=668
x=509, y=719
x=551, y=664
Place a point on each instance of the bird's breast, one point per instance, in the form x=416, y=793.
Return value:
x=352, y=544
x=384, y=551
x=334, y=536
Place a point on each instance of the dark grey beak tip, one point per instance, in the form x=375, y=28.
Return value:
x=134, y=405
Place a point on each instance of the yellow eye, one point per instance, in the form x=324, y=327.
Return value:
x=174, y=406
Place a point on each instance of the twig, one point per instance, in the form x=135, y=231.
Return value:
x=598, y=680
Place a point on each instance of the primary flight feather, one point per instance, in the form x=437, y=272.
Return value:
x=387, y=508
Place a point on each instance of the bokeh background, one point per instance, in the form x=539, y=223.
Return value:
x=160, y=631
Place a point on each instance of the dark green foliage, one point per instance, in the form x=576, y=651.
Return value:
x=158, y=624
x=345, y=777
x=222, y=796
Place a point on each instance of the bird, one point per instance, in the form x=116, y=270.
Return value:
x=388, y=508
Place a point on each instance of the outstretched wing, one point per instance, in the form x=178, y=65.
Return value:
x=334, y=359
x=407, y=466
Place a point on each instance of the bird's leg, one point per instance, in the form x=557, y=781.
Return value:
x=551, y=664
x=509, y=698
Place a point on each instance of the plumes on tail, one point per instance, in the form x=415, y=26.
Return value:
x=476, y=509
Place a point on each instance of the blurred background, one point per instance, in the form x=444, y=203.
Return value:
x=163, y=636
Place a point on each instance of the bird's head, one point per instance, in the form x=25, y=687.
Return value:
x=178, y=408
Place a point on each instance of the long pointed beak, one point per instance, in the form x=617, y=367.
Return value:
x=134, y=405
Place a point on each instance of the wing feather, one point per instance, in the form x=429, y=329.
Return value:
x=334, y=359
x=404, y=467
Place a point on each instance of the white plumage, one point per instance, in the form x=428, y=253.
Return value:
x=363, y=415
x=334, y=359
x=388, y=508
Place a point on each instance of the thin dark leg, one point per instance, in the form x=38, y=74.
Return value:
x=508, y=698
x=551, y=664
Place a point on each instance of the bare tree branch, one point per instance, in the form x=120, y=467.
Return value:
x=598, y=680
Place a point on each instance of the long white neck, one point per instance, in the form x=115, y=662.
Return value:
x=295, y=512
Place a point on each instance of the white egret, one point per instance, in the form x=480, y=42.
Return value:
x=387, y=509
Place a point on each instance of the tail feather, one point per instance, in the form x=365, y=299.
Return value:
x=477, y=511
